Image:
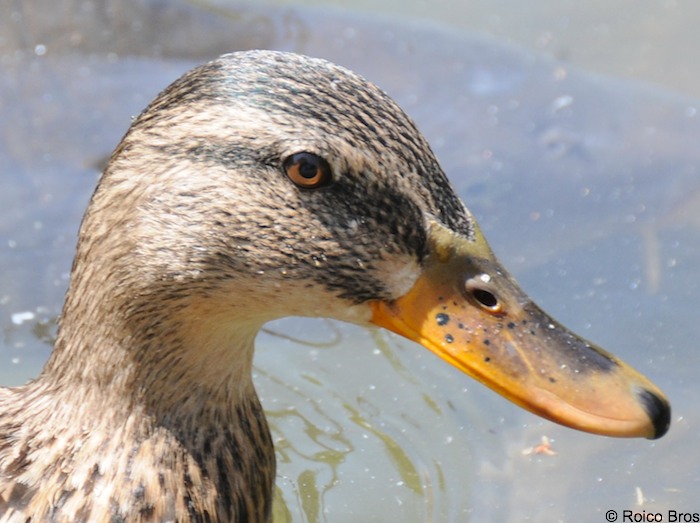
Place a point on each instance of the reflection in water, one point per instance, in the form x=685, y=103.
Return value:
x=339, y=453
x=563, y=170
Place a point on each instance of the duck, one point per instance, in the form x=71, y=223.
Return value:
x=261, y=185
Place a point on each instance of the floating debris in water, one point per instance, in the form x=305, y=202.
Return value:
x=18, y=318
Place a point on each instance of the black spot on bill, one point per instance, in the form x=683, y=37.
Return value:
x=442, y=318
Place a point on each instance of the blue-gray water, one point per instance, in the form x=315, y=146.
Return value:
x=585, y=185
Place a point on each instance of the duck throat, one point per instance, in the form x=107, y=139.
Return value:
x=162, y=406
x=170, y=345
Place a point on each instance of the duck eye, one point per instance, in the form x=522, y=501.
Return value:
x=307, y=170
x=478, y=291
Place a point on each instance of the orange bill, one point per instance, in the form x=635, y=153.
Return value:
x=467, y=309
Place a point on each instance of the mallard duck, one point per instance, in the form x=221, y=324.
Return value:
x=257, y=186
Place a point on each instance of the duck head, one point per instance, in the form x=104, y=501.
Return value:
x=264, y=185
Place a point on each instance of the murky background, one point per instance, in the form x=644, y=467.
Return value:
x=570, y=130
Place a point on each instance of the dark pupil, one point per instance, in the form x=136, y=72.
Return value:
x=307, y=169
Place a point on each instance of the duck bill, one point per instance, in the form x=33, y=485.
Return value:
x=465, y=308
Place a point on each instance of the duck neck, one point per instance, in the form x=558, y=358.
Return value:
x=173, y=360
x=175, y=387
x=150, y=381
